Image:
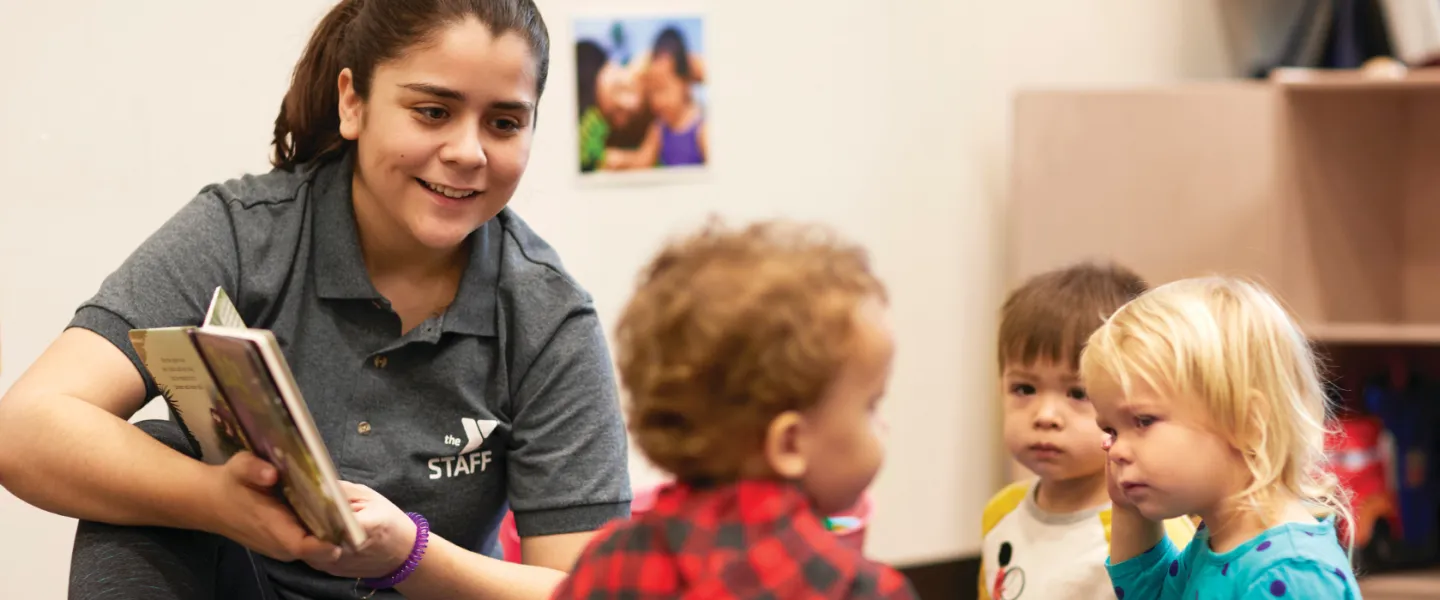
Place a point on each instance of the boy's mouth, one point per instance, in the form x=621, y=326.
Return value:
x=1045, y=450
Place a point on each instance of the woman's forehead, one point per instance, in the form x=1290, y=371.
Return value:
x=467, y=57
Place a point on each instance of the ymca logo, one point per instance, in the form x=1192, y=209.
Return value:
x=468, y=460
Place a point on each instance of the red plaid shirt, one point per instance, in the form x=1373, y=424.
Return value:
x=754, y=539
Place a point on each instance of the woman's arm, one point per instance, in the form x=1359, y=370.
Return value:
x=65, y=445
x=449, y=571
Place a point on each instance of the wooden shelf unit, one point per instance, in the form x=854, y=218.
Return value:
x=1323, y=185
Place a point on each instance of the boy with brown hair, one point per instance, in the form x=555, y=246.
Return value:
x=754, y=359
x=1049, y=537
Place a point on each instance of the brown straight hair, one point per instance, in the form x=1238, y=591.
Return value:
x=360, y=34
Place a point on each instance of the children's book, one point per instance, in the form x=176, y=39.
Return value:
x=232, y=390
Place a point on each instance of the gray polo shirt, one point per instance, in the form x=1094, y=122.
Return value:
x=507, y=396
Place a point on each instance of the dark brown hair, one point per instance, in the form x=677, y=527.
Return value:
x=360, y=34
x=727, y=329
x=1050, y=316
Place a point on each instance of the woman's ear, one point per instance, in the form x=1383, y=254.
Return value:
x=785, y=445
x=351, y=105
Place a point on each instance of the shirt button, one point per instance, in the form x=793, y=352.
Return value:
x=381, y=361
x=363, y=428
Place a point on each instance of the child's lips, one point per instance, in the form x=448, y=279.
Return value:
x=1045, y=450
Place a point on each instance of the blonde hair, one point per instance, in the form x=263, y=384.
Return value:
x=1230, y=344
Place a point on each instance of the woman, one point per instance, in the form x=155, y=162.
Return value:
x=412, y=305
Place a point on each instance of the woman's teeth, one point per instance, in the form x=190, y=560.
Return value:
x=448, y=192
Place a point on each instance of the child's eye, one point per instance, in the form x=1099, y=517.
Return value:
x=1022, y=389
x=1144, y=421
x=1078, y=393
x=431, y=113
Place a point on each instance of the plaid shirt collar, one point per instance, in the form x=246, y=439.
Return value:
x=750, y=539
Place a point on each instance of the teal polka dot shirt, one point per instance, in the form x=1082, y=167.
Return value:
x=1294, y=560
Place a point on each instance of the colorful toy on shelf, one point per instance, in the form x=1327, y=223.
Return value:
x=1407, y=409
x=1360, y=454
x=1381, y=450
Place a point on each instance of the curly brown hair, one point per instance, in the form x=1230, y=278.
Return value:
x=1052, y=314
x=731, y=327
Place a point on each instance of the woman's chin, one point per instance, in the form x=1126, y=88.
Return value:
x=443, y=236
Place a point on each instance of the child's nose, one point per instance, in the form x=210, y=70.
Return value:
x=1117, y=451
x=1046, y=415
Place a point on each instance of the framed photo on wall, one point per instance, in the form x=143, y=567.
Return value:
x=641, y=96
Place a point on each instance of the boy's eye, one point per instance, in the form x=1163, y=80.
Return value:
x=1078, y=393
x=507, y=125
x=1144, y=421
x=433, y=113
x=1022, y=389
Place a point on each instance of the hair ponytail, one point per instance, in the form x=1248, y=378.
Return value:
x=308, y=126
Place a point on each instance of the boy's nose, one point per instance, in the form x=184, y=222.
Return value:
x=1046, y=417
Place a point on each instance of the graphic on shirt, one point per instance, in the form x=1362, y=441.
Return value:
x=1009, y=581
x=476, y=432
x=470, y=459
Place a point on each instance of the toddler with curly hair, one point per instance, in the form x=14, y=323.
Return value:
x=755, y=359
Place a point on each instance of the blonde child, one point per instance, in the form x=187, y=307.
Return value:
x=755, y=360
x=1047, y=538
x=1213, y=405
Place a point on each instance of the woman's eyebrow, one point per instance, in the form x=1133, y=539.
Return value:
x=438, y=91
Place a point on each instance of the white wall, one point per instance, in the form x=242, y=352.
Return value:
x=887, y=119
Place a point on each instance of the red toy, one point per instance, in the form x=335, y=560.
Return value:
x=1362, y=457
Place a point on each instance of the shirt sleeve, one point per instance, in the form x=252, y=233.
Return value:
x=1300, y=578
x=168, y=281
x=569, y=468
x=1158, y=573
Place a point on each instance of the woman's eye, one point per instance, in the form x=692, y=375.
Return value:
x=1022, y=389
x=433, y=113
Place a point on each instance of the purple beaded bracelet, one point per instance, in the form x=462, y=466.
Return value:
x=422, y=539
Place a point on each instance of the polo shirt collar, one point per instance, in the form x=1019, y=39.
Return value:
x=340, y=264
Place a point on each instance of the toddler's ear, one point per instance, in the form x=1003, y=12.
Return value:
x=784, y=445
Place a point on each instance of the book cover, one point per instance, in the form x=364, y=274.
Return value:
x=249, y=369
x=232, y=390
x=180, y=374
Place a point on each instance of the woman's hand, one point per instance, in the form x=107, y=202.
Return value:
x=389, y=537
x=251, y=515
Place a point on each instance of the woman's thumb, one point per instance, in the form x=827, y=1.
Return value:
x=249, y=469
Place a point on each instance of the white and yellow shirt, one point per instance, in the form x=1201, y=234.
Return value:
x=1029, y=553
